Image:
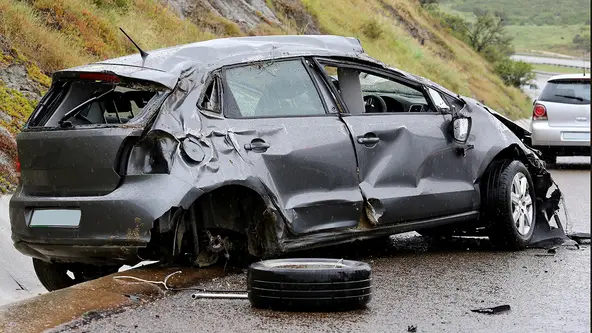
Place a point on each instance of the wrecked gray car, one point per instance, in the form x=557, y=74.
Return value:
x=260, y=145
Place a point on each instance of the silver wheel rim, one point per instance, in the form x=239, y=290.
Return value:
x=522, y=212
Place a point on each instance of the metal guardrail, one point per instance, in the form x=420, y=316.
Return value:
x=562, y=65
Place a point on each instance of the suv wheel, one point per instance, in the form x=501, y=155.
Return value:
x=54, y=276
x=509, y=205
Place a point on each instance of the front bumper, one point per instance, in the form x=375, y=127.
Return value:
x=544, y=135
x=112, y=227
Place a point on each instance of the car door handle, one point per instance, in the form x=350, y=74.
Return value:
x=257, y=145
x=367, y=140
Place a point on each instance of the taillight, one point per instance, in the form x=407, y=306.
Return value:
x=99, y=77
x=17, y=167
x=539, y=112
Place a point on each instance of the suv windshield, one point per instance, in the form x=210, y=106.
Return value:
x=85, y=103
x=575, y=91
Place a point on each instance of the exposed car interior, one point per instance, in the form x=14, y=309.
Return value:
x=368, y=93
x=89, y=103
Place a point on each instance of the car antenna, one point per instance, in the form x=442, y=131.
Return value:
x=143, y=53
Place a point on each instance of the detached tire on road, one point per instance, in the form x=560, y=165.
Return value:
x=509, y=205
x=309, y=284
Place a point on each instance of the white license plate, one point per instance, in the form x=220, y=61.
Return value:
x=576, y=136
x=61, y=218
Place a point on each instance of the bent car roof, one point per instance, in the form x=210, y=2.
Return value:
x=219, y=52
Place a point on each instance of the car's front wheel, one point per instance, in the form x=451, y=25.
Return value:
x=509, y=205
x=54, y=276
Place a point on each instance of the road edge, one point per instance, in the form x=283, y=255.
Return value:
x=105, y=294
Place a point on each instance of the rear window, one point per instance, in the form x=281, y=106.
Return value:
x=567, y=92
x=91, y=103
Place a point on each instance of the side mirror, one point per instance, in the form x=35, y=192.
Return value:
x=461, y=128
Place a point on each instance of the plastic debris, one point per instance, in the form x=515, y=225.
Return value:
x=493, y=310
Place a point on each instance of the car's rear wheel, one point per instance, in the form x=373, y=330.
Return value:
x=509, y=205
x=55, y=276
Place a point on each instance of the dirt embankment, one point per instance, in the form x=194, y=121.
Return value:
x=21, y=86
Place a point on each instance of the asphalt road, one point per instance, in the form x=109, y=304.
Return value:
x=548, y=60
x=430, y=286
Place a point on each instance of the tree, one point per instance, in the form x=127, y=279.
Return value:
x=514, y=73
x=487, y=30
x=582, y=42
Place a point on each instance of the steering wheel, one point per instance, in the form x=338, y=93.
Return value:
x=374, y=104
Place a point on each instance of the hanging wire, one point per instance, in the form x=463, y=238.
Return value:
x=168, y=288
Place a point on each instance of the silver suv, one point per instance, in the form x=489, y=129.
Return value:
x=561, y=117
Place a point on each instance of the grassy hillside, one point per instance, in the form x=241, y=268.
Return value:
x=552, y=38
x=536, y=25
x=46, y=35
x=530, y=12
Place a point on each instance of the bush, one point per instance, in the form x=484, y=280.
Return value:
x=428, y=2
x=372, y=29
x=514, y=73
x=582, y=41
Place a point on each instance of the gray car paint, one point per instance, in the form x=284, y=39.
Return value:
x=116, y=224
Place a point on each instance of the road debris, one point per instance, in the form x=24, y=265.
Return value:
x=580, y=237
x=411, y=328
x=493, y=310
x=164, y=282
x=220, y=295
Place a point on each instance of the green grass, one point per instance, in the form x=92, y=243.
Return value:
x=535, y=25
x=57, y=34
x=443, y=58
x=556, y=69
x=558, y=39
x=524, y=12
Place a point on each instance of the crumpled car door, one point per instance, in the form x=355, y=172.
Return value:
x=302, y=154
x=409, y=166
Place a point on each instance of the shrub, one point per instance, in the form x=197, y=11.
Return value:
x=372, y=29
x=428, y=2
x=514, y=73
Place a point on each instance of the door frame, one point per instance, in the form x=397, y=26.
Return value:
x=372, y=68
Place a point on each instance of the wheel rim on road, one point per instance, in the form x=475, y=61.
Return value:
x=522, y=211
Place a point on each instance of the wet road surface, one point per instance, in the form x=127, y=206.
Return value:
x=416, y=282
x=555, y=61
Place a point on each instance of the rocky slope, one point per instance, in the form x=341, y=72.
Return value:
x=38, y=37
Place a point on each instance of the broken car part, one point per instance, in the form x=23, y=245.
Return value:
x=220, y=295
x=309, y=284
x=274, y=143
x=493, y=310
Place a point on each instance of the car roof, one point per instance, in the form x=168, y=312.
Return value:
x=225, y=51
x=167, y=64
x=569, y=76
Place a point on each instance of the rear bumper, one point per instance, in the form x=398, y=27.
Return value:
x=544, y=135
x=112, y=227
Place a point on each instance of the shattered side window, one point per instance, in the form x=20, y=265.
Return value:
x=211, y=98
x=275, y=89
